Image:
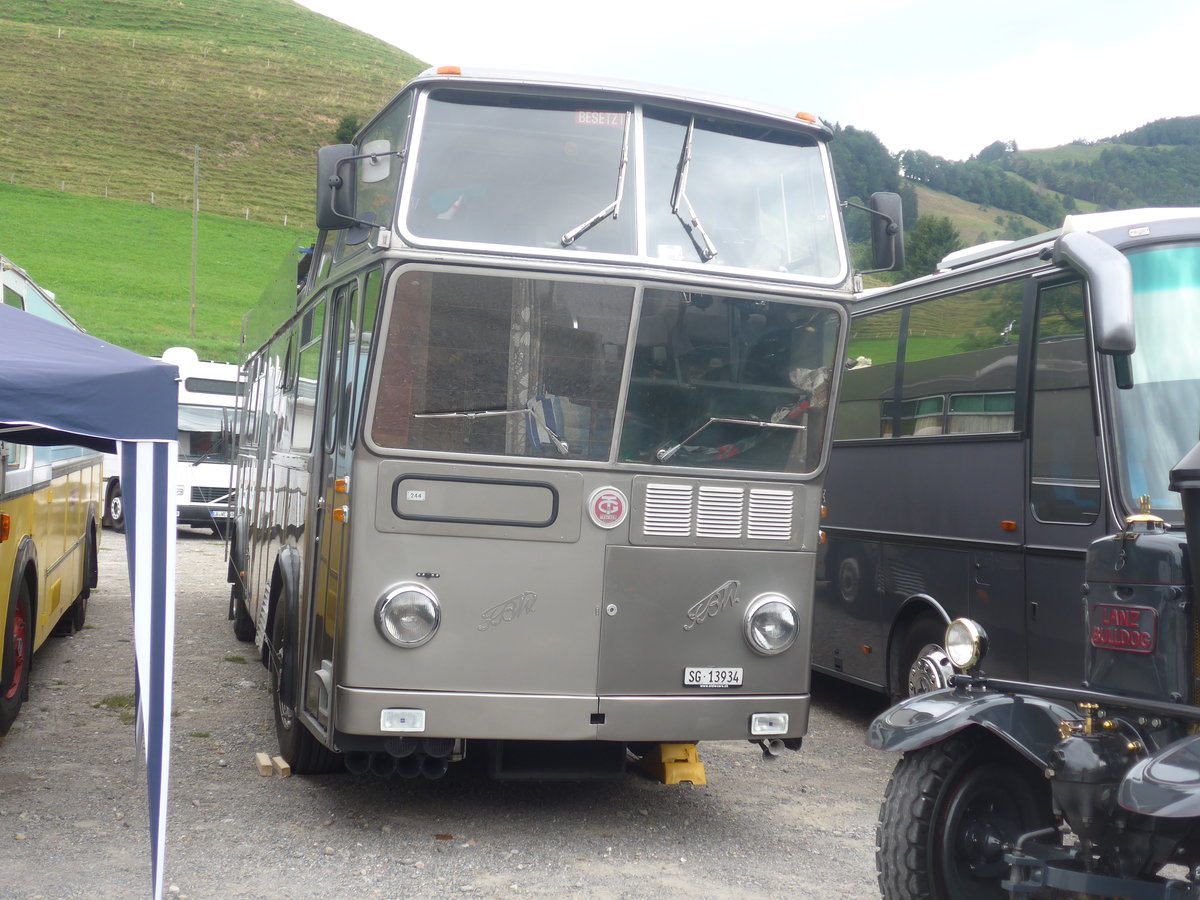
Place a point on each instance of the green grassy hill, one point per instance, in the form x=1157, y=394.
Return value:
x=123, y=270
x=976, y=223
x=110, y=98
x=104, y=105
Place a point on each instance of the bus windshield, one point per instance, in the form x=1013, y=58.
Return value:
x=495, y=365
x=205, y=433
x=1157, y=419
x=618, y=177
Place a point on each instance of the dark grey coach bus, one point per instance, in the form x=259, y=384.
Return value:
x=534, y=455
x=996, y=418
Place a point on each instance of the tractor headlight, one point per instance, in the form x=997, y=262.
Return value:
x=770, y=624
x=408, y=615
x=966, y=643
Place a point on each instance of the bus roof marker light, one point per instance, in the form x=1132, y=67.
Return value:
x=449, y=70
x=806, y=117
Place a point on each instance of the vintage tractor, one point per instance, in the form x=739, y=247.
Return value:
x=1008, y=789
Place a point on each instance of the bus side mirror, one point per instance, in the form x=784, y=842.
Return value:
x=1110, y=294
x=887, y=232
x=1110, y=288
x=335, y=187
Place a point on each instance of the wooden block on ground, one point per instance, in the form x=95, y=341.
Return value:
x=263, y=762
x=281, y=766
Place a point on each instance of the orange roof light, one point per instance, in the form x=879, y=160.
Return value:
x=449, y=70
x=806, y=117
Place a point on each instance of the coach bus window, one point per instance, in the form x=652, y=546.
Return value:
x=960, y=363
x=1156, y=419
x=728, y=382
x=502, y=366
x=869, y=383
x=726, y=194
x=522, y=171
x=304, y=396
x=1065, y=475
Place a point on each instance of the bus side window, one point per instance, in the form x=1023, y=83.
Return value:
x=960, y=363
x=1065, y=485
x=869, y=384
x=307, y=373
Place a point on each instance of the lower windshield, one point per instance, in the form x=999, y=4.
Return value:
x=729, y=382
x=1157, y=420
x=500, y=365
x=532, y=367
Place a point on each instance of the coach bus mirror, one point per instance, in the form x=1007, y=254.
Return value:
x=335, y=187
x=378, y=163
x=887, y=232
x=1110, y=290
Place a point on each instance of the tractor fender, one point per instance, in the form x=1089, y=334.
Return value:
x=1028, y=724
x=1166, y=783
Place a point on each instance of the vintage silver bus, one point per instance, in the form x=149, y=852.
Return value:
x=535, y=453
x=999, y=416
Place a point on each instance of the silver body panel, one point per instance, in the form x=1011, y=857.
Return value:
x=547, y=625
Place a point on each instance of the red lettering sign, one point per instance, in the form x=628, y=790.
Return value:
x=1129, y=629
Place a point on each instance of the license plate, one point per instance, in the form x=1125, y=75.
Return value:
x=711, y=676
x=221, y=514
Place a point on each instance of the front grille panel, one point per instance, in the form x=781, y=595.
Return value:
x=717, y=512
x=210, y=494
x=769, y=517
x=720, y=512
x=668, y=509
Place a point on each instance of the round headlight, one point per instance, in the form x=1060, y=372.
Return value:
x=966, y=643
x=408, y=615
x=770, y=624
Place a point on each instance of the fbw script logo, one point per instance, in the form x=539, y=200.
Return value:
x=607, y=507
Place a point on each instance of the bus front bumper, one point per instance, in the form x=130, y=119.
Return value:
x=551, y=717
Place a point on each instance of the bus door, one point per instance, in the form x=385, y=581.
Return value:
x=331, y=461
x=1065, y=511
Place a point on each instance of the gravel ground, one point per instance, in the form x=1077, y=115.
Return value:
x=73, y=801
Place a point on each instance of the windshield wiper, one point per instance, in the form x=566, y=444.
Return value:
x=559, y=444
x=209, y=453
x=613, y=209
x=665, y=453
x=691, y=223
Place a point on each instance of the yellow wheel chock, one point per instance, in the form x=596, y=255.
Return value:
x=675, y=763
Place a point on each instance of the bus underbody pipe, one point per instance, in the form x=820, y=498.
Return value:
x=383, y=764
x=772, y=747
x=409, y=766
x=434, y=767
x=358, y=762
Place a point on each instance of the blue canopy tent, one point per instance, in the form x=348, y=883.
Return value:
x=59, y=386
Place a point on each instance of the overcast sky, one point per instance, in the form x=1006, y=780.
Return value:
x=946, y=76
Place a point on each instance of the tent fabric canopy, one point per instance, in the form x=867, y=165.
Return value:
x=60, y=386
x=56, y=382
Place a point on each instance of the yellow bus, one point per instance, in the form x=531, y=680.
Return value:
x=50, y=498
